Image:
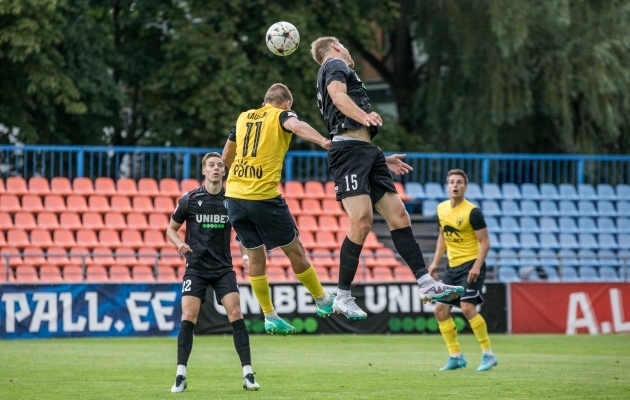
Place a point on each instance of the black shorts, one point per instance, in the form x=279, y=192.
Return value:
x=358, y=168
x=459, y=276
x=222, y=285
x=262, y=222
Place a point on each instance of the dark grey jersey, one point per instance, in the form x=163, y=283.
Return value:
x=335, y=69
x=207, y=232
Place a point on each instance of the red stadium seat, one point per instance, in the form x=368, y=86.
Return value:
x=142, y=204
x=87, y=238
x=26, y=274
x=16, y=185
x=54, y=203
x=121, y=204
x=47, y=220
x=327, y=240
x=77, y=203
x=403, y=274
x=131, y=238
x=307, y=223
x=293, y=190
x=3, y=240
x=38, y=185
x=142, y=273
x=61, y=186
x=147, y=256
x=18, y=238
x=33, y=256
x=158, y=221
x=170, y=256
x=386, y=256
x=96, y=273
x=63, y=238
x=329, y=189
x=382, y=274
x=25, y=221
x=82, y=186
x=188, y=185
x=103, y=256
x=93, y=221
x=308, y=240
x=98, y=204
x=70, y=220
x=371, y=242
x=166, y=274
x=344, y=224
x=155, y=239
x=127, y=187
x=9, y=203
x=6, y=222
x=311, y=207
x=164, y=204
x=119, y=273
x=137, y=221
x=277, y=258
x=125, y=255
x=322, y=257
x=32, y=203
x=332, y=207
x=41, y=238
x=314, y=190
x=115, y=221
x=50, y=274
x=57, y=256
x=80, y=255
x=104, y=186
x=72, y=273
x=148, y=187
x=12, y=253
x=294, y=207
x=328, y=223
x=108, y=238
x=170, y=187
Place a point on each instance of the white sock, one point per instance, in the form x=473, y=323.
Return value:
x=325, y=299
x=456, y=355
x=273, y=315
x=343, y=294
x=425, y=280
x=247, y=369
x=181, y=370
x=488, y=352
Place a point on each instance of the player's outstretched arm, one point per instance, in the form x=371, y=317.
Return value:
x=306, y=132
x=338, y=92
x=173, y=236
x=440, y=248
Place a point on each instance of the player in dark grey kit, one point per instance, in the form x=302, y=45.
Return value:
x=208, y=263
x=361, y=173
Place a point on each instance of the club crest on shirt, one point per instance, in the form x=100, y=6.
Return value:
x=199, y=202
x=225, y=204
x=459, y=221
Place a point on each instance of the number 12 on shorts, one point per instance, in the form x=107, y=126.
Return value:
x=351, y=182
x=186, y=285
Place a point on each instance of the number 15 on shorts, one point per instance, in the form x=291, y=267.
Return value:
x=351, y=182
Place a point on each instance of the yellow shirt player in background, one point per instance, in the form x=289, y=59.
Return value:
x=464, y=236
x=255, y=153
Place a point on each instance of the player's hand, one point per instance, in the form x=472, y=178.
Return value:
x=396, y=165
x=246, y=266
x=326, y=144
x=372, y=119
x=184, y=248
x=432, y=269
x=473, y=274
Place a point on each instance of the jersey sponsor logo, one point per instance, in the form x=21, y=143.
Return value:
x=242, y=170
x=200, y=202
x=452, y=235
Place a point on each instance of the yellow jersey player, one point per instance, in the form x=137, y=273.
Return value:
x=464, y=236
x=255, y=153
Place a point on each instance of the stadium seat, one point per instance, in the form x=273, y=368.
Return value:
x=371, y=241
x=126, y=187
x=586, y=208
x=403, y=274
x=327, y=239
x=54, y=203
x=76, y=203
x=294, y=207
x=314, y=190
x=50, y=274
x=72, y=273
x=103, y=256
x=509, y=241
x=108, y=238
x=382, y=274
x=47, y=220
x=429, y=208
x=587, y=257
x=608, y=258
x=329, y=188
x=16, y=185
x=569, y=274
x=623, y=208
x=121, y=204
x=148, y=256
x=567, y=191
x=328, y=223
x=160, y=221
x=38, y=185
x=25, y=221
x=148, y=187
x=623, y=225
x=6, y=222
x=508, y=225
x=567, y=225
x=508, y=274
x=169, y=187
x=104, y=186
x=528, y=257
x=586, y=191
x=400, y=188
x=308, y=223
x=80, y=255
x=308, y=240
x=125, y=255
x=567, y=208
x=606, y=192
x=606, y=241
x=606, y=209
x=32, y=203
x=549, y=191
x=142, y=204
x=119, y=273
x=82, y=186
x=63, y=238
x=492, y=191
x=167, y=273
x=510, y=208
x=96, y=273
x=548, y=225
x=623, y=191
x=11, y=253
x=87, y=238
x=293, y=190
x=548, y=208
x=552, y=274
x=170, y=256
x=494, y=240
x=10, y=203
x=386, y=256
x=32, y=255
x=491, y=208
x=492, y=224
x=529, y=224
x=416, y=191
x=189, y=184
x=2, y=190
x=530, y=191
x=131, y=238
x=322, y=257
x=434, y=191
x=163, y=204
x=333, y=207
x=623, y=240
x=56, y=255
x=98, y=204
x=115, y=221
x=587, y=225
x=93, y=220
x=548, y=241
x=511, y=191
x=608, y=274
x=41, y=238
x=155, y=239
x=137, y=221
x=311, y=207
x=529, y=241
x=26, y=274
x=528, y=273
x=61, y=186
x=588, y=274
x=568, y=241
x=70, y=220
x=18, y=238
x=548, y=258
x=530, y=208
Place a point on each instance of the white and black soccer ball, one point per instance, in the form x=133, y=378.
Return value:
x=282, y=38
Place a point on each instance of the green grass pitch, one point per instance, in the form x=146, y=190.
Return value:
x=319, y=367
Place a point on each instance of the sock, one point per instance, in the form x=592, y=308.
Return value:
x=310, y=280
x=272, y=315
x=449, y=333
x=349, y=262
x=409, y=250
x=425, y=280
x=260, y=287
x=181, y=370
x=184, y=343
x=247, y=369
x=480, y=329
x=241, y=341
x=342, y=294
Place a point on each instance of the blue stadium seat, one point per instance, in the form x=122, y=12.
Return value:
x=492, y=224
x=508, y=274
x=509, y=241
x=434, y=191
x=429, y=208
x=552, y=274
x=529, y=241
x=586, y=191
x=548, y=241
x=587, y=257
x=490, y=208
x=608, y=258
x=605, y=225
x=569, y=274
x=568, y=258
x=415, y=191
x=510, y=208
x=510, y=225
x=623, y=191
x=528, y=273
x=568, y=241
x=623, y=239
x=528, y=257
x=492, y=259
x=529, y=224
x=549, y=208
x=567, y=225
x=587, y=225
x=494, y=240
x=529, y=207
x=587, y=241
x=508, y=258
x=530, y=191
x=548, y=258
x=587, y=208
x=511, y=191
x=549, y=191
x=473, y=192
x=567, y=208
x=548, y=225
x=623, y=225
x=607, y=241
x=623, y=208
x=608, y=274
x=606, y=209
x=588, y=273
x=606, y=192
x=567, y=192
x=492, y=191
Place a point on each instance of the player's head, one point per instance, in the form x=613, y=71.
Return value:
x=279, y=96
x=457, y=183
x=212, y=167
x=329, y=46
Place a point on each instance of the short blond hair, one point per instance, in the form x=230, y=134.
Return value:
x=207, y=156
x=321, y=47
x=278, y=94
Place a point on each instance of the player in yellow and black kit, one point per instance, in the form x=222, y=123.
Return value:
x=255, y=154
x=464, y=236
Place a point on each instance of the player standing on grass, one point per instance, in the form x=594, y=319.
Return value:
x=464, y=236
x=255, y=153
x=362, y=175
x=208, y=263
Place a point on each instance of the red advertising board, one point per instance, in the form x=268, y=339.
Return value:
x=570, y=308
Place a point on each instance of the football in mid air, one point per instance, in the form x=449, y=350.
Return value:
x=282, y=38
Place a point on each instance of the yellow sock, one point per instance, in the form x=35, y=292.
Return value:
x=260, y=286
x=479, y=327
x=310, y=280
x=449, y=333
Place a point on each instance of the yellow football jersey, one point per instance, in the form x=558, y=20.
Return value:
x=261, y=143
x=462, y=244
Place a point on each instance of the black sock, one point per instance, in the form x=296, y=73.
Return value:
x=184, y=342
x=349, y=262
x=241, y=341
x=409, y=250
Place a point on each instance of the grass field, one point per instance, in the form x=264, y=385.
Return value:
x=319, y=367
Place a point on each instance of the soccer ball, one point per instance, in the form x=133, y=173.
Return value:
x=282, y=38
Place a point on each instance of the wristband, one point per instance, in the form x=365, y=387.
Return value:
x=245, y=257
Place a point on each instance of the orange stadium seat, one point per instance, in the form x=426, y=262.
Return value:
x=80, y=255
x=131, y=238
x=307, y=223
x=170, y=256
x=70, y=220
x=6, y=222
x=121, y=204
x=371, y=242
x=3, y=240
x=38, y=185
x=82, y=186
x=115, y=221
x=278, y=258
x=326, y=239
x=142, y=204
x=98, y=204
x=137, y=221
x=308, y=240
x=147, y=256
x=314, y=190
x=386, y=256
x=108, y=238
x=72, y=273
x=142, y=273
x=294, y=207
x=104, y=186
x=155, y=239
x=18, y=238
x=344, y=224
x=164, y=204
x=32, y=203
x=103, y=256
x=188, y=185
x=293, y=190
x=332, y=207
x=26, y=274
x=311, y=207
x=401, y=191
x=10, y=203
x=166, y=274
x=16, y=185
x=63, y=238
x=321, y=257
x=77, y=203
x=158, y=221
x=50, y=274
x=33, y=256
x=367, y=258
x=61, y=186
x=169, y=187
x=329, y=189
x=87, y=238
x=125, y=255
x=92, y=220
x=403, y=274
x=119, y=273
x=54, y=203
x=382, y=274
x=96, y=273
x=12, y=253
x=328, y=223
x=148, y=187
x=47, y=220
x=126, y=187
x=41, y=238
x=57, y=256
x=25, y=221
x=2, y=189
